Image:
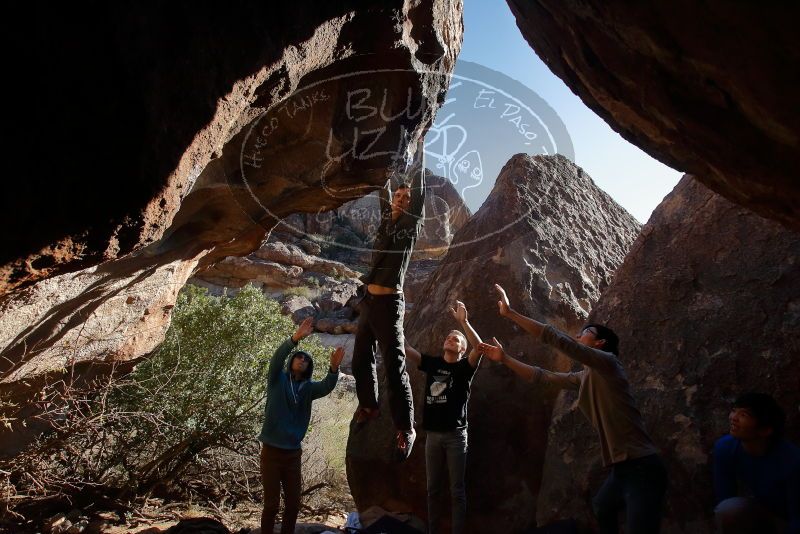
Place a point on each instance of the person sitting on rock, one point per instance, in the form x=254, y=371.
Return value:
x=290, y=392
x=444, y=417
x=638, y=478
x=756, y=470
x=382, y=309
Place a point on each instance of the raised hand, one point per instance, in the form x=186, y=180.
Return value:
x=494, y=350
x=459, y=313
x=304, y=330
x=336, y=358
x=503, y=307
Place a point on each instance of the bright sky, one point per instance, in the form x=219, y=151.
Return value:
x=634, y=179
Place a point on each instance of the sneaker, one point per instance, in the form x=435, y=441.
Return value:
x=405, y=442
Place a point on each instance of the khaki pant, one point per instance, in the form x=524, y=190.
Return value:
x=280, y=467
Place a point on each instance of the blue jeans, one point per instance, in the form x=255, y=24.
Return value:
x=446, y=451
x=638, y=485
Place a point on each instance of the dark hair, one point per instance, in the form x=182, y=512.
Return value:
x=765, y=409
x=606, y=334
x=306, y=356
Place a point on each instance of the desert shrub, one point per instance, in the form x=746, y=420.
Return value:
x=205, y=384
x=184, y=419
x=324, y=449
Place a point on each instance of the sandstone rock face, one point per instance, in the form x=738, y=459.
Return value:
x=703, y=87
x=72, y=319
x=298, y=308
x=236, y=272
x=275, y=122
x=275, y=266
x=707, y=306
x=76, y=326
x=292, y=255
x=553, y=240
x=153, y=95
x=307, y=286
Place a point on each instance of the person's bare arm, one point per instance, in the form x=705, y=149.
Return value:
x=413, y=354
x=530, y=373
x=460, y=314
x=494, y=351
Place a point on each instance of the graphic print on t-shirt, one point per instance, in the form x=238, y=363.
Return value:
x=438, y=390
x=446, y=393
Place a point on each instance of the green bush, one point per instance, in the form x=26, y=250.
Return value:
x=189, y=413
x=205, y=386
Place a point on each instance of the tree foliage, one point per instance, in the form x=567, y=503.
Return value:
x=206, y=383
x=202, y=390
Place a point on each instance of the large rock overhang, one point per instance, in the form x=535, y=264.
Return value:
x=107, y=300
x=708, y=88
x=149, y=96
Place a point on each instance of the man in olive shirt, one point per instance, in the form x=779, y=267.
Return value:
x=444, y=418
x=382, y=310
x=638, y=478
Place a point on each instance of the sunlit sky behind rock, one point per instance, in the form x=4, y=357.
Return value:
x=634, y=179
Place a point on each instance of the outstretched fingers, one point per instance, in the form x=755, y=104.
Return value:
x=493, y=351
x=503, y=305
x=336, y=358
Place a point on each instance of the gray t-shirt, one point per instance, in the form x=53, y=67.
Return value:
x=604, y=397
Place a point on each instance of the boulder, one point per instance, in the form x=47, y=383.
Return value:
x=234, y=271
x=290, y=254
x=310, y=247
x=299, y=308
x=553, y=240
x=336, y=326
x=337, y=295
x=154, y=95
x=345, y=340
x=709, y=88
x=98, y=315
x=707, y=306
x=445, y=214
x=417, y=277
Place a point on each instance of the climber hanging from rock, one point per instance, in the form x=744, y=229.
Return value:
x=382, y=308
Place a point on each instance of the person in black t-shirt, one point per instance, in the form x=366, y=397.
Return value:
x=444, y=417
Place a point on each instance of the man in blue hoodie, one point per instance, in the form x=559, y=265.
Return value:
x=290, y=392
